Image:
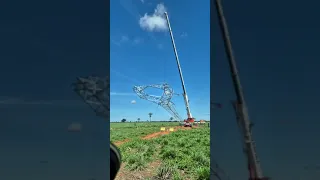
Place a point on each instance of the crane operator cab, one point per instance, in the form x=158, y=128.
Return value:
x=115, y=161
x=188, y=122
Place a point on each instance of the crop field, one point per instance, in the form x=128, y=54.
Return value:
x=151, y=154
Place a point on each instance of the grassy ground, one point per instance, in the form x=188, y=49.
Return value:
x=122, y=131
x=183, y=154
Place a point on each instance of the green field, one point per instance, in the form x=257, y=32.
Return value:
x=183, y=154
x=122, y=131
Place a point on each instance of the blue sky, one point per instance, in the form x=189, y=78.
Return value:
x=142, y=54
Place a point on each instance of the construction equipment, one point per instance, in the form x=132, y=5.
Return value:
x=187, y=122
x=165, y=100
x=255, y=171
x=247, y=143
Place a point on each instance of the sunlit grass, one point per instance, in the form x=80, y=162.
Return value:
x=184, y=154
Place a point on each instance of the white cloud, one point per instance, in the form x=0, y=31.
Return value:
x=160, y=46
x=184, y=34
x=133, y=102
x=155, y=21
x=137, y=40
x=123, y=39
x=146, y=2
x=121, y=94
x=123, y=76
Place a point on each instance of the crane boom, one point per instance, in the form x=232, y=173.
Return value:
x=185, y=96
x=254, y=166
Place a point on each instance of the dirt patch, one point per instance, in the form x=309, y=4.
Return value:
x=184, y=128
x=151, y=170
x=138, y=175
x=118, y=143
x=157, y=134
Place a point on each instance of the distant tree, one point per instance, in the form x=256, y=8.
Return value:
x=123, y=120
x=138, y=119
x=150, y=115
x=171, y=118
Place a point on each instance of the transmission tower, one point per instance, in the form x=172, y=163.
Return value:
x=95, y=92
x=164, y=101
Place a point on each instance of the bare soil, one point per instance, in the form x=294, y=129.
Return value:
x=118, y=143
x=149, y=172
x=156, y=134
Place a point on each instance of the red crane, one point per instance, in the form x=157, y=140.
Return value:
x=190, y=119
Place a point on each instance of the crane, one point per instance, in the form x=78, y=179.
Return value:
x=254, y=167
x=248, y=142
x=190, y=119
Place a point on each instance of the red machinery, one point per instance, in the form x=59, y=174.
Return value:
x=188, y=122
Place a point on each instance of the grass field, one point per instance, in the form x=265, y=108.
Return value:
x=148, y=153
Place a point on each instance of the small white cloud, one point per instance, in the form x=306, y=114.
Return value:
x=160, y=46
x=133, y=102
x=142, y=1
x=121, y=94
x=155, y=21
x=137, y=40
x=123, y=39
x=184, y=34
